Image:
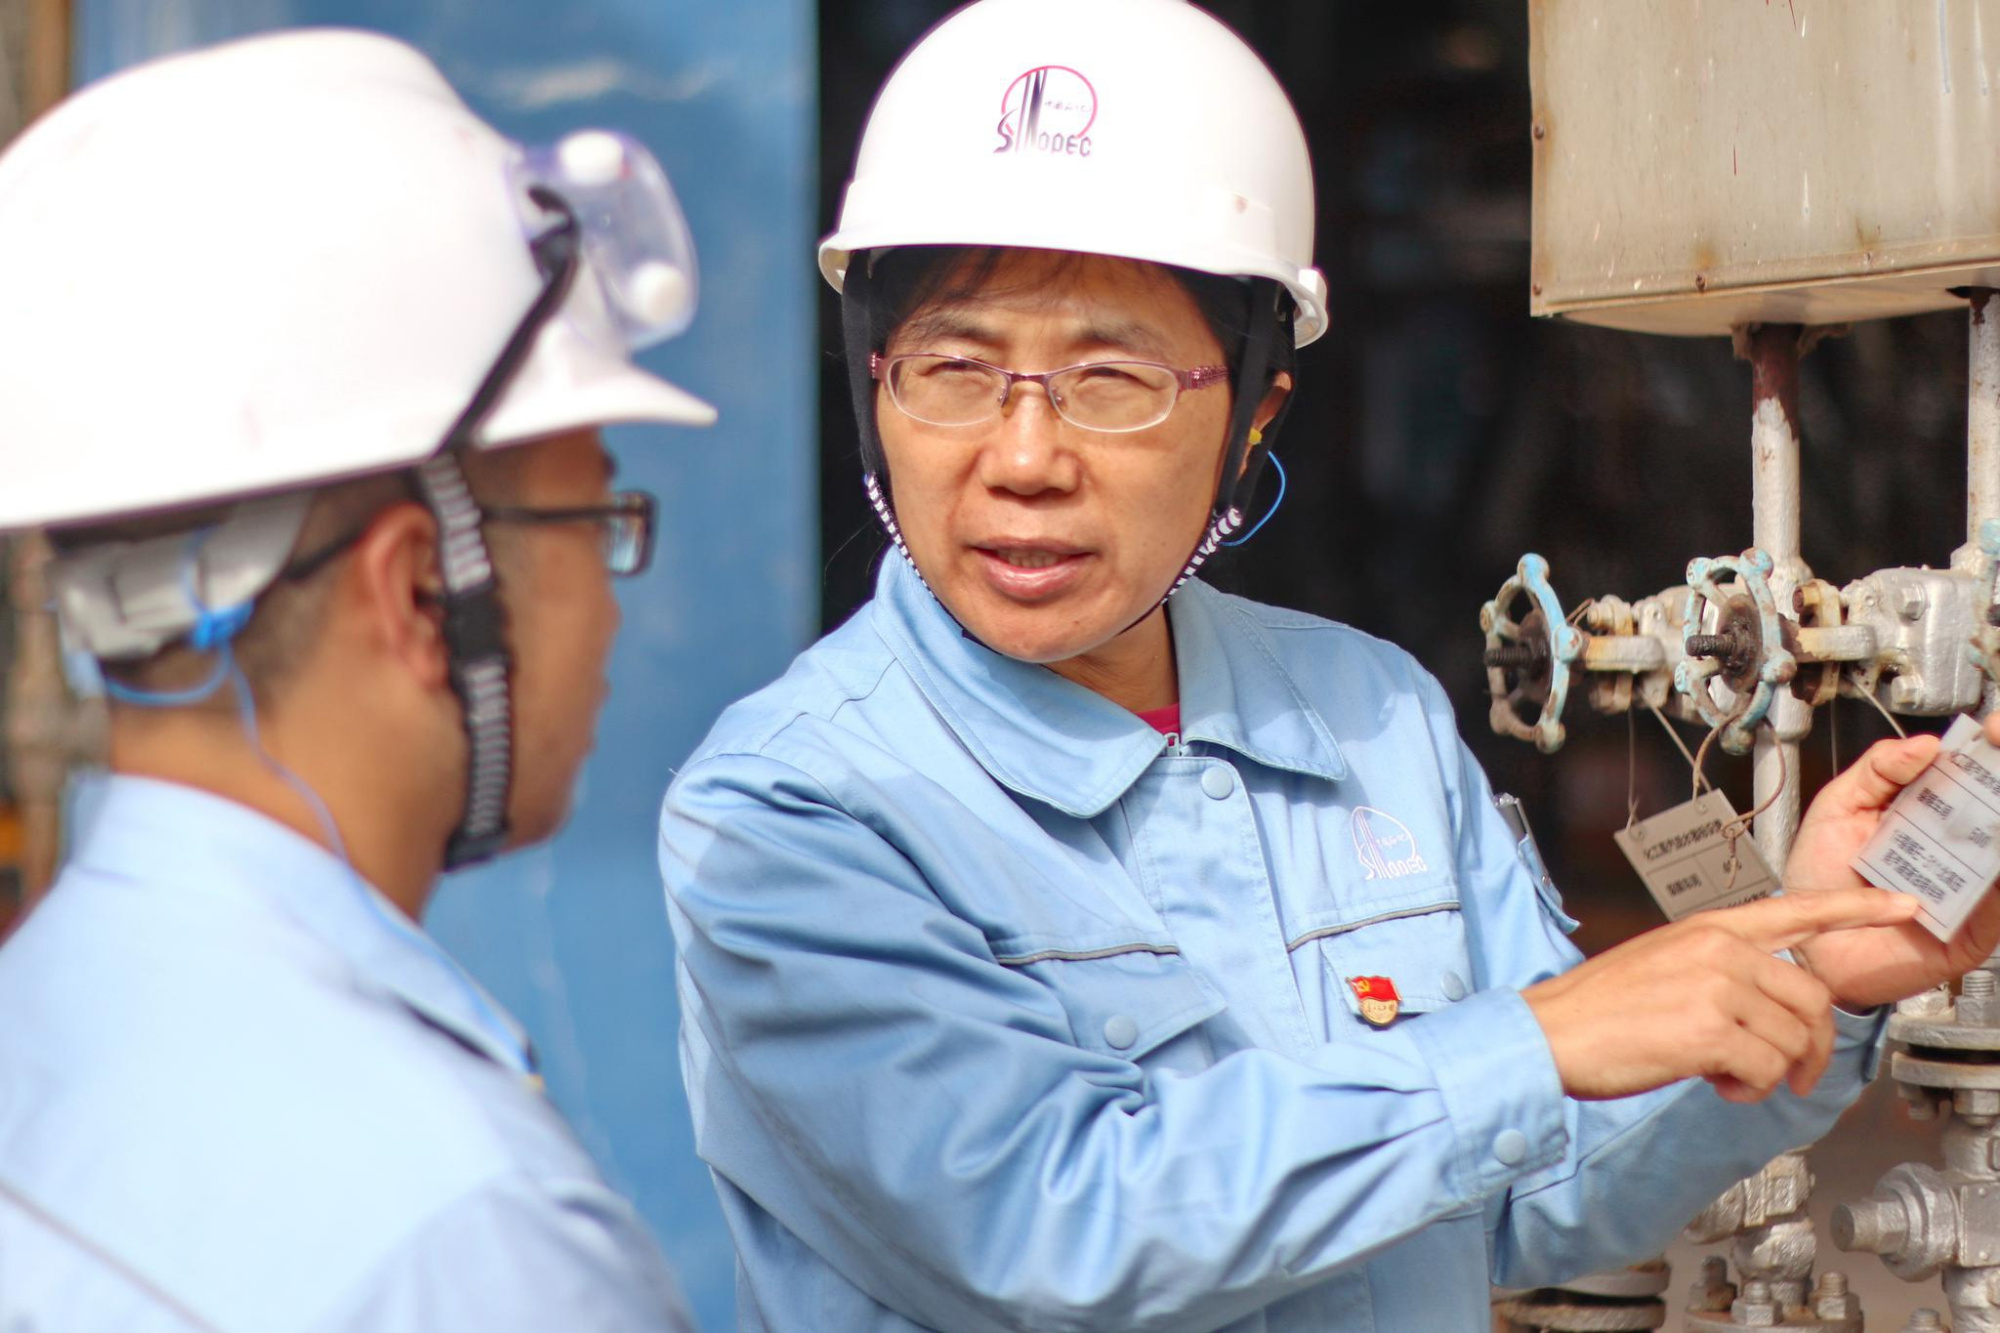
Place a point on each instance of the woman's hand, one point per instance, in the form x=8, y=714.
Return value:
x=1704, y=998
x=1875, y=966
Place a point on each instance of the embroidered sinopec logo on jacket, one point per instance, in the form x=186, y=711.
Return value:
x=1384, y=847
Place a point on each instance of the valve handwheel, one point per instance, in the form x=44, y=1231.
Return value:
x=1529, y=661
x=1745, y=649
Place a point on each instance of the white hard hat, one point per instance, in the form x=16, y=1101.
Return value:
x=1139, y=128
x=284, y=261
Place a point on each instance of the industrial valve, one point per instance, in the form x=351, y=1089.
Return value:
x=1772, y=1242
x=1921, y=1219
x=1742, y=650
x=1528, y=660
x=1918, y=622
x=1726, y=649
x=1627, y=652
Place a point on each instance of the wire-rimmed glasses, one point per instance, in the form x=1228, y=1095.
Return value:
x=1112, y=397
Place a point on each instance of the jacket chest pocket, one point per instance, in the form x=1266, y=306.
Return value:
x=1420, y=952
x=1138, y=1004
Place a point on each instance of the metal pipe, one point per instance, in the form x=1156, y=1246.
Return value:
x=1836, y=643
x=1634, y=653
x=1773, y=353
x=1982, y=446
x=1982, y=428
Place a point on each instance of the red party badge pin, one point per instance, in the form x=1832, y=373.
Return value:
x=1379, y=1001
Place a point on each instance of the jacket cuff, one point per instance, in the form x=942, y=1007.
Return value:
x=1867, y=1032
x=1501, y=1091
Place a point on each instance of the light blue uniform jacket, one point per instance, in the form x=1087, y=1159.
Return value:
x=237, y=1096
x=1001, y=1012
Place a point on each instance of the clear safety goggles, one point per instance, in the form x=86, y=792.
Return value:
x=633, y=238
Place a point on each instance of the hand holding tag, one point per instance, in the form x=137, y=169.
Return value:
x=1870, y=967
x=1939, y=841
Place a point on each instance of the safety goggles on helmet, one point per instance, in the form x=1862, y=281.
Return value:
x=634, y=238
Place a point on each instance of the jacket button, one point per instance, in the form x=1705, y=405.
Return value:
x=1217, y=782
x=1511, y=1147
x=1454, y=986
x=1121, y=1031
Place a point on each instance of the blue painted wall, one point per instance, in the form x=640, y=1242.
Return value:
x=573, y=937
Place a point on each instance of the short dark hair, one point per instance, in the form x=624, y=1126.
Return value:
x=908, y=278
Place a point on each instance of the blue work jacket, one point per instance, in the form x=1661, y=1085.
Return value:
x=1004, y=1011
x=240, y=1093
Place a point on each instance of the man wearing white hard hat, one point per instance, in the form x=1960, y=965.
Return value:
x=1067, y=945
x=301, y=366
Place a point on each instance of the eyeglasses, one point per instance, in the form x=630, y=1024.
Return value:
x=627, y=521
x=1112, y=397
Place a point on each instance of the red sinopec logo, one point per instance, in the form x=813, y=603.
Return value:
x=1048, y=110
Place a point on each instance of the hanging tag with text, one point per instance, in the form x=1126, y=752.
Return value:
x=1688, y=862
x=1940, y=841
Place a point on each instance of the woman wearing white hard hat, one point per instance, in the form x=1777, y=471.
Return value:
x=1065, y=944
x=302, y=365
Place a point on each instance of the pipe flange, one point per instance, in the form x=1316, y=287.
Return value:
x=1530, y=661
x=1919, y=1072
x=1818, y=605
x=1942, y=1032
x=1640, y=1280
x=1550, y=1312
x=1745, y=652
x=1609, y=617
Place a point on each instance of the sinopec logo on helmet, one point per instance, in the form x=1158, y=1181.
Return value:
x=1050, y=109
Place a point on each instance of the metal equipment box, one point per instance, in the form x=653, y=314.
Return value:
x=1701, y=164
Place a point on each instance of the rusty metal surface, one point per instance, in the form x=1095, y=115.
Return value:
x=50, y=32
x=44, y=729
x=1552, y=1312
x=1700, y=164
x=1640, y=1280
x=49, y=732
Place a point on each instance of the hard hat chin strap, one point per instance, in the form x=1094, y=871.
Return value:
x=857, y=335
x=1271, y=314
x=477, y=660
x=475, y=622
x=857, y=331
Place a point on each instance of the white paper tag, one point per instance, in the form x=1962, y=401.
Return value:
x=1940, y=841
x=1685, y=859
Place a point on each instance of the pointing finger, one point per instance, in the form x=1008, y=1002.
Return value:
x=1793, y=918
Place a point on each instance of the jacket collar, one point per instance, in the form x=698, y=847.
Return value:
x=183, y=840
x=1054, y=741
